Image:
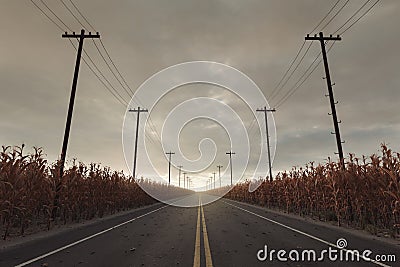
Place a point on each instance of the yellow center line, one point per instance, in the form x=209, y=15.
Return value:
x=206, y=244
x=196, y=262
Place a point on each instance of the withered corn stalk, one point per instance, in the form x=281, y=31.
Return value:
x=365, y=195
x=28, y=188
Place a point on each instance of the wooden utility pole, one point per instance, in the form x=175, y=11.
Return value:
x=265, y=110
x=322, y=39
x=81, y=37
x=138, y=111
x=180, y=169
x=230, y=153
x=169, y=166
x=219, y=174
x=214, y=179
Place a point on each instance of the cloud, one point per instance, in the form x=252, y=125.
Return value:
x=257, y=37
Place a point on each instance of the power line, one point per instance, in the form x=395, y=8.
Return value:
x=82, y=15
x=54, y=14
x=109, y=67
x=299, y=80
x=294, y=70
x=104, y=77
x=72, y=13
x=298, y=85
x=363, y=15
x=106, y=51
x=112, y=62
x=134, y=98
x=123, y=103
x=327, y=14
x=278, y=87
x=355, y=13
x=334, y=16
x=287, y=71
x=101, y=54
x=44, y=13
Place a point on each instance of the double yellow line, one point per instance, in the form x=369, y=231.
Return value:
x=197, y=246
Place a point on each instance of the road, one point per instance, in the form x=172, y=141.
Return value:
x=223, y=233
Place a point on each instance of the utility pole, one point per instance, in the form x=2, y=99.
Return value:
x=184, y=180
x=214, y=179
x=187, y=182
x=169, y=166
x=230, y=153
x=265, y=110
x=219, y=172
x=322, y=39
x=138, y=111
x=180, y=169
x=81, y=37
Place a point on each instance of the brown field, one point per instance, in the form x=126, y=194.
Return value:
x=33, y=195
x=366, y=195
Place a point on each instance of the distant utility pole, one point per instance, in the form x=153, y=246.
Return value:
x=219, y=174
x=207, y=184
x=180, y=169
x=184, y=180
x=187, y=182
x=265, y=110
x=322, y=39
x=230, y=153
x=81, y=37
x=214, y=179
x=169, y=166
x=138, y=111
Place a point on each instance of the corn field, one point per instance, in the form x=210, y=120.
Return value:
x=365, y=195
x=29, y=186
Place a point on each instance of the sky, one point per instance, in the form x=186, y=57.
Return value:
x=258, y=38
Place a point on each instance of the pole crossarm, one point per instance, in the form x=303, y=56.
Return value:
x=82, y=35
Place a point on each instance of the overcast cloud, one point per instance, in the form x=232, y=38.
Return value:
x=259, y=38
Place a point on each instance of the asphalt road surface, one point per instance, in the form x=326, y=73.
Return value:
x=223, y=233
